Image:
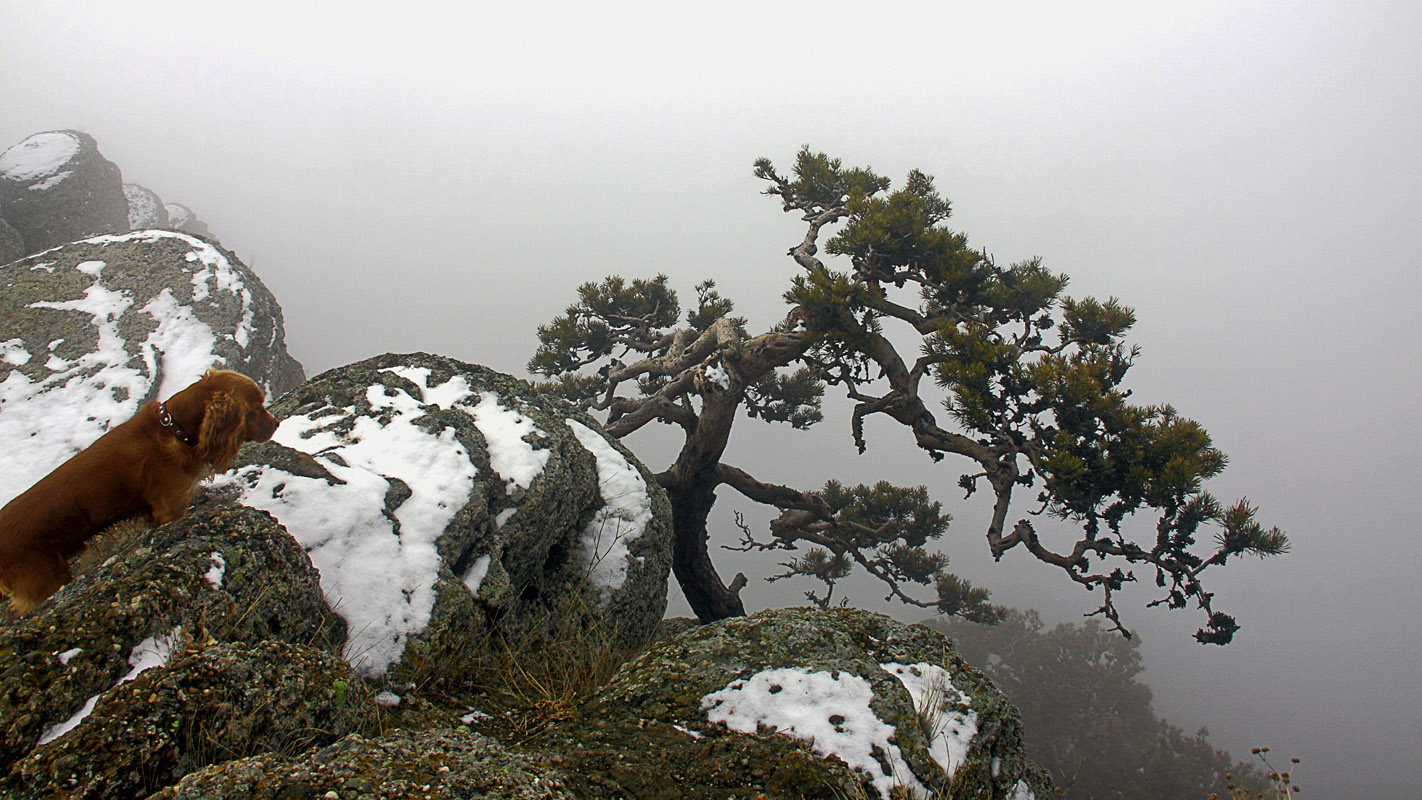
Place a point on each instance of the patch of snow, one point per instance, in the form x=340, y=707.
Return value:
x=1022, y=792
x=831, y=712
x=215, y=574
x=66, y=411
x=50, y=182
x=718, y=375
x=142, y=207
x=505, y=431
x=935, y=697
x=474, y=716
x=377, y=569
x=504, y=516
x=388, y=699
x=67, y=655
x=689, y=732
x=217, y=273
x=625, y=513
x=179, y=214
x=13, y=352
x=474, y=576
x=39, y=156
x=184, y=342
x=147, y=654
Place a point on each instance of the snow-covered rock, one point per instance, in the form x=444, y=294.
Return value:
x=145, y=208
x=56, y=187
x=892, y=701
x=91, y=330
x=181, y=218
x=443, y=503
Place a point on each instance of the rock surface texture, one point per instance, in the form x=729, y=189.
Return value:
x=12, y=245
x=55, y=187
x=181, y=218
x=125, y=661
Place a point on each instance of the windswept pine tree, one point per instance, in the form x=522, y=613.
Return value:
x=1019, y=382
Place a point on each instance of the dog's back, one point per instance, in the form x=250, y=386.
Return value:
x=41, y=529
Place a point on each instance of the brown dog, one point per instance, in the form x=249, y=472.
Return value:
x=145, y=467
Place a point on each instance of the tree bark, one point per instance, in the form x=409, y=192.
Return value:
x=710, y=598
x=691, y=487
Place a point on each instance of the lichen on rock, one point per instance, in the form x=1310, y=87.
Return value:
x=891, y=700
x=203, y=707
x=80, y=644
x=445, y=764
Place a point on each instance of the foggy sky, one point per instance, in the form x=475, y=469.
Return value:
x=1244, y=175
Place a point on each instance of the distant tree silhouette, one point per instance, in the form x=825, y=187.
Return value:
x=1088, y=719
x=1028, y=378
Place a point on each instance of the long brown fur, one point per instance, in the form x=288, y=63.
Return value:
x=137, y=469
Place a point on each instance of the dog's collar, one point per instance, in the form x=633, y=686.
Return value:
x=171, y=425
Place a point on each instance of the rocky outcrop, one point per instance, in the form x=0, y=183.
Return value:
x=55, y=187
x=181, y=218
x=145, y=208
x=209, y=639
x=199, y=707
x=445, y=503
x=891, y=701
x=92, y=329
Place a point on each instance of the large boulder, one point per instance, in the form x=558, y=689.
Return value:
x=223, y=574
x=55, y=187
x=892, y=701
x=450, y=508
x=91, y=330
x=145, y=208
x=201, y=706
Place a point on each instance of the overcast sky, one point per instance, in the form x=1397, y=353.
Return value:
x=1245, y=175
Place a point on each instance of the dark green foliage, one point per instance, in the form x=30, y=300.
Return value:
x=820, y=182
x=885, y=529
x=607, y=315
x=1088, y=717
x=793, y=398
x=711, y=306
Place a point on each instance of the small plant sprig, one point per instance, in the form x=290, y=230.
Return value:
x=1281, y=783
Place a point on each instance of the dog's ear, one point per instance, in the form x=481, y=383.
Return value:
x=223, y=429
